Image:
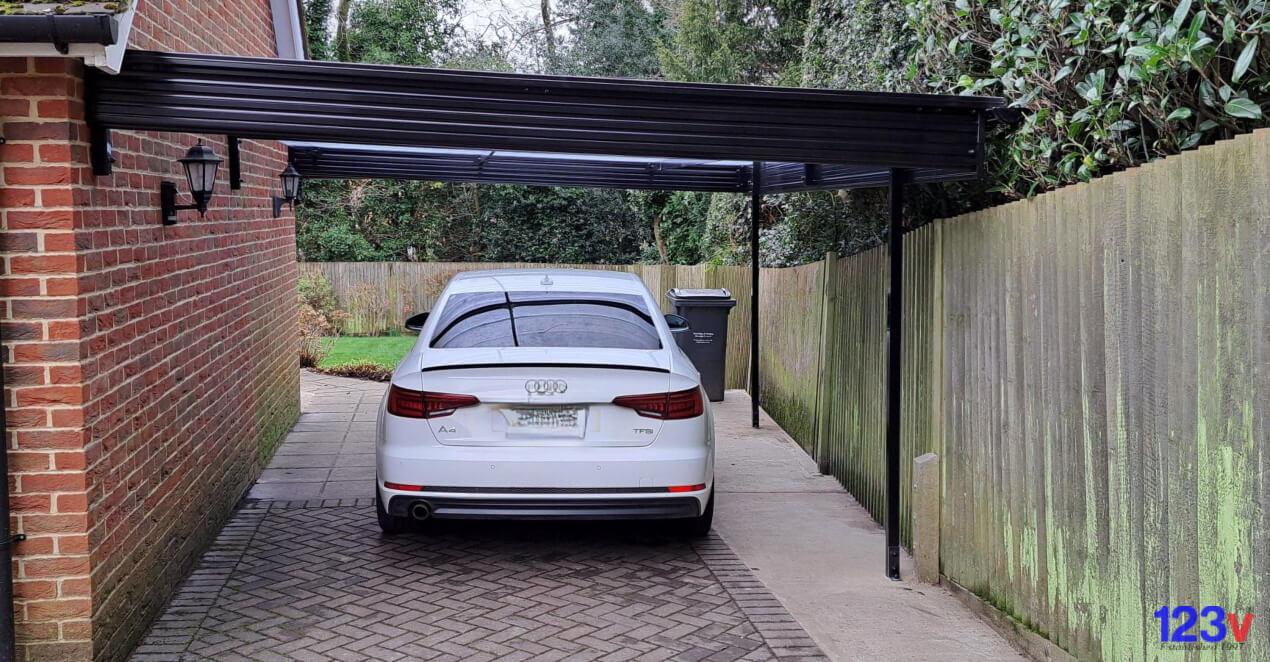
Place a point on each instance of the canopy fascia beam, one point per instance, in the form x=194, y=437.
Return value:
x=408, y=106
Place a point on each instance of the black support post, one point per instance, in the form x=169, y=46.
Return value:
x=756, y=210
x=235, y=164
x=100, y=151
x=8, y=647
x=894, y=310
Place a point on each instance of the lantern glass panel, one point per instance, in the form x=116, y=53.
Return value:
x=290, y=183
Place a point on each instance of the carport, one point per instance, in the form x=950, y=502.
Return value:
x=345, y=120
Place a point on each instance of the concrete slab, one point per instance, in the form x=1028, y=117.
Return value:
x=280, y=475
x=305, y=461
x=350, y=488
x=363, y=473
x=822, y=554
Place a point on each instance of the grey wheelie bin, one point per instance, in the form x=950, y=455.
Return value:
x=706, y=341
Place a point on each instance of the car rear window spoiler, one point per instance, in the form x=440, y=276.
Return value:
x=542, y=364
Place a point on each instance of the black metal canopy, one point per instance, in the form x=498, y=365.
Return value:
x=365, y=121
x=339, y=102
x=338, y=161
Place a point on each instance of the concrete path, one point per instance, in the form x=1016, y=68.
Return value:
x=822, y=554
x=330, y=453
x=302, y=574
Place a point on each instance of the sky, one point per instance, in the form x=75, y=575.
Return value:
x=479, y=15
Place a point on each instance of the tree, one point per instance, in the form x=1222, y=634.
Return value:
x=342, y=13
x=544, y=224
x=317, y=18
x=410, y=32
x=736, y=41
x=616, y=38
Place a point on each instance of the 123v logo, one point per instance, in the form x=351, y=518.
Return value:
x=1215, y=626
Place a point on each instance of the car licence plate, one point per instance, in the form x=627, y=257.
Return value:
x=567, y=421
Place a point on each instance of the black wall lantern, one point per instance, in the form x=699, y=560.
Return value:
x=200, y=165
x=290, y=189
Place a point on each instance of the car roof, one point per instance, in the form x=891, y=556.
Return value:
x=544, y=280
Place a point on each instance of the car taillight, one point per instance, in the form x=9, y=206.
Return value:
x=666, y=406
x=426, y=404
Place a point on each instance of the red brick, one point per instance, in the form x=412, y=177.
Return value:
x=37, y=86
x=44, y=308
x=14, y=65
x=51, y=439
x=55, y=153
x=23, y=375
x=29, y=503
x=41, y=219
x=37, y=175
x=59, y=651
x=55, y=65
x=15, y=152
x=34, y=590
x=47, y=610
x=65, y=374
x=63, y=330
x=18, y=242
x=36, y=546
x=54, y=567
x=76, y=630
x=67, y=418
x=73, y=544
x=61, y=287
x=37, y=130
x=59, y=482
x=76, y=587
x=49, y=351
x=16, y=197
x=26, y=418
x=44, y=396
x=60, y=109
x=57, y=197
x=59, y=523
x=15, y=331
x=72, y=503
x=42, y=264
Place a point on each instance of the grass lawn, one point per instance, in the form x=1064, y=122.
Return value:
x=382, y=350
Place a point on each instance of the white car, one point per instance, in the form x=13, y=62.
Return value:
x=545, y=394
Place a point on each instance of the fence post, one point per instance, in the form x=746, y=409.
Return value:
x=926, y=518
x=828, y=294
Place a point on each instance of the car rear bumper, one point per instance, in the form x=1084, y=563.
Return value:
x=601, y=507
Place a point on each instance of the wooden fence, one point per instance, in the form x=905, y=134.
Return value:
x=1093, y=367
x=379, y=296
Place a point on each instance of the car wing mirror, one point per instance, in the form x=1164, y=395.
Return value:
x=677, y=323
x=415, y=322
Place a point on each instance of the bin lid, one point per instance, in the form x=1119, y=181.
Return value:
x=701, y=297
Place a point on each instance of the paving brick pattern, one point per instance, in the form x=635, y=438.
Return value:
x=314, y=580
x=302, y=573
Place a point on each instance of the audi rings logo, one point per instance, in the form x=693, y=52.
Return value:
x=546, y=386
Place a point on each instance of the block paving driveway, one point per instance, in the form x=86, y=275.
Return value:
x=301, y=572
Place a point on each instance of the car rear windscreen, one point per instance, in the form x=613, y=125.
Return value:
x=546, y=319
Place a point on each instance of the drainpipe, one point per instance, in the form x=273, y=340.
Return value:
x=8, y=647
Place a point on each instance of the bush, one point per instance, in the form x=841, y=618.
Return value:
x=315, y=335
x=1105, y=84
x=363, y=370
x=315, y=290
x=320, y=318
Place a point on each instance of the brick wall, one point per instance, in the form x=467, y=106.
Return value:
x=148, y=369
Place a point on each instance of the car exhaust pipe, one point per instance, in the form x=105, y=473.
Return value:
x=420, y=510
